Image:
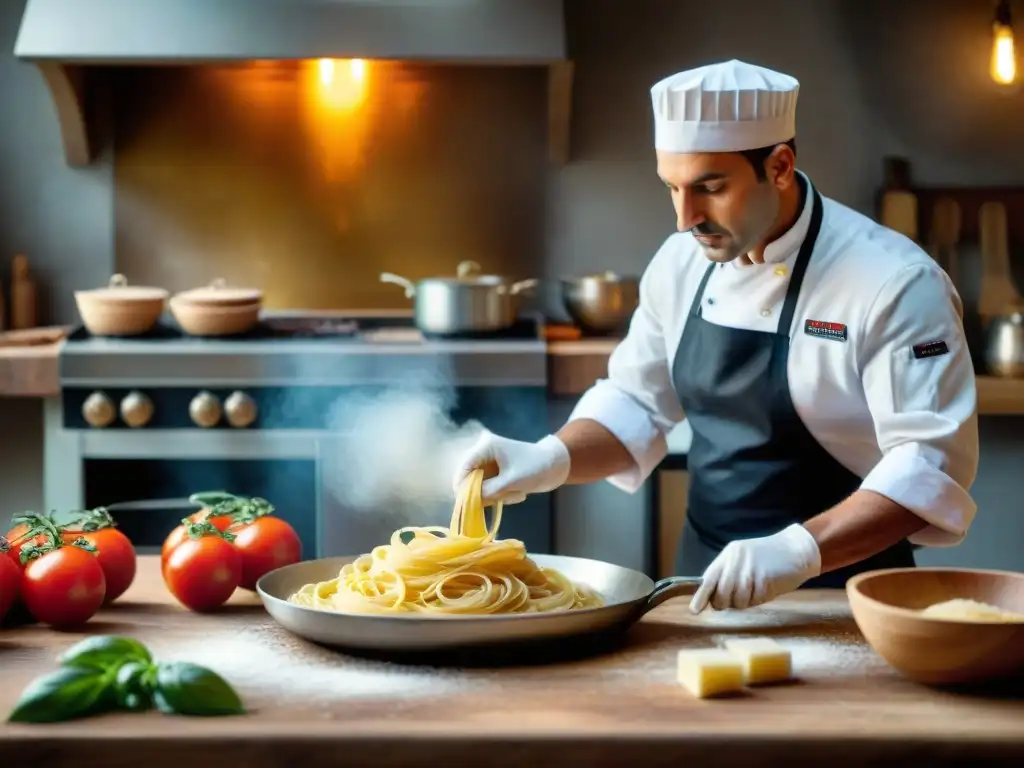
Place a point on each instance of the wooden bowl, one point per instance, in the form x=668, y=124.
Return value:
x=120, y=309
x=204, y=320
x=887, y=606
x=220, y=294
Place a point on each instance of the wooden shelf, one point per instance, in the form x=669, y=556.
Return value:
x=970, y=200
x=1000, y=397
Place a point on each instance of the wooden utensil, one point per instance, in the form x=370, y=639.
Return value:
x=23, y=294
x=945, y=234
x=887, y=607
x=999, y=294
x=899, y=212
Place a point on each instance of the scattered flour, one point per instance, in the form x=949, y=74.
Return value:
x=831, y=657
x=266, y=660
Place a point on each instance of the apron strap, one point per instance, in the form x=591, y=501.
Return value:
x=698, y=299
x=800, y=267
x=796, y=280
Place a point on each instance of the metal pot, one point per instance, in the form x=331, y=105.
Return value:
x=469, y=303
x=1004, y=345
x=601, y=303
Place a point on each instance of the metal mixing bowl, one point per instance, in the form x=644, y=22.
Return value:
x=601, y=303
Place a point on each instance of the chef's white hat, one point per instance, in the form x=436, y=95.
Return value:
x=727, y=107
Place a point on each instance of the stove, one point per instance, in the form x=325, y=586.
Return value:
x=165, y=414
x=285, y=350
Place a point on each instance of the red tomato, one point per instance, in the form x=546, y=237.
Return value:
x=116, y=555
x=265, y=544
x=64, y=587
x=203, y=573
x=16, y=538
x=10, y=585
x=180, y=533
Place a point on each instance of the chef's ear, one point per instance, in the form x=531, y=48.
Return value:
x=780, y=167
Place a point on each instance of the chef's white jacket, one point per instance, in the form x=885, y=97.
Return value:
x=906, y=425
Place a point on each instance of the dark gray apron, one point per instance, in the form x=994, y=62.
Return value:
x=754, y=468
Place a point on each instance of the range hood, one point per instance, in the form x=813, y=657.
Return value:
x=64, y=38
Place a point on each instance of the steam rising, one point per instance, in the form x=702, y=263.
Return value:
x=398, y=450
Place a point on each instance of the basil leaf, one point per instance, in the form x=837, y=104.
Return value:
x=104, y=652
x=65, y=694
x=183, y=688
x=132, y=686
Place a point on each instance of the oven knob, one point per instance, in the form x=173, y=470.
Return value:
x=136, y=409
x=98, y=410
x=240, y=409
x=204, y=409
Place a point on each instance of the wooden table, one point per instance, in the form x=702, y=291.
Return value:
x=312, y=706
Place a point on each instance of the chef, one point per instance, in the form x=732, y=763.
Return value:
x=818, y=358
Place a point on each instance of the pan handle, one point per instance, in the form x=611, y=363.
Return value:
x=673, y=586
x=408, y=285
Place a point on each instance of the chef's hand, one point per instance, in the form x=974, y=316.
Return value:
x=522, y=468
x=754, y=571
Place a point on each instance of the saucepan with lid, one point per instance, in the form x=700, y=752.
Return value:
x=120, y=309
x=217, y=309
x=627, y=596
x=468, y=303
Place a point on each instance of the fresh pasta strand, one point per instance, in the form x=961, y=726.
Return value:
x=460, y=570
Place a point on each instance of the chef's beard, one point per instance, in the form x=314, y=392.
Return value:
x=758, y=220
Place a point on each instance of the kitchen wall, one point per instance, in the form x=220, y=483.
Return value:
x=308, y=187
x=877, y=78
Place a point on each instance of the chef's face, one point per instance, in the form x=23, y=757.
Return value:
x=720, y=199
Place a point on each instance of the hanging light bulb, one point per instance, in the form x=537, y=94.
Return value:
x=1003, y=67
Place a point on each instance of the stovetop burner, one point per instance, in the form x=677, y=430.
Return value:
x=305, y=327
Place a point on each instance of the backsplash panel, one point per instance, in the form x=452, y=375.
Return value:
x=310, y=184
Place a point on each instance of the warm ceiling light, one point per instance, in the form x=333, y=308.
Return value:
x=1003, y=66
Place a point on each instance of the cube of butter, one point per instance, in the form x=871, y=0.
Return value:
x=708, y=672
x=764, y=660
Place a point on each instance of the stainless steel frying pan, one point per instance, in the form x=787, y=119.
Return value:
x=627, y=594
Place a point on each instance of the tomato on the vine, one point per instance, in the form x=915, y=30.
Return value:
x=265, y=544
x=204, y=570
x=21, y=535
x=62, y=584
x=114, y=550
x=10, y=580
x=205, y=515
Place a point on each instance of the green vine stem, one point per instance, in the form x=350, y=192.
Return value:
x=196, y=530
x=35, y=525
x=89, y=520
x=241, y=509
x=53, y=542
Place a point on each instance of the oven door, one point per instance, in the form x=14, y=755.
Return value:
x=146, y=477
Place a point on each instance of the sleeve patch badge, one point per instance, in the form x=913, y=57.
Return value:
x=824, y=330
x=930, y=349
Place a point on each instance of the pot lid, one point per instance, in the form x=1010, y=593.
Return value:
x=469, y=273
x=608, y=276
x=119, y=290
x=219, y=292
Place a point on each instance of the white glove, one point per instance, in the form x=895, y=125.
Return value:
x=755, y=571
x=523, y=468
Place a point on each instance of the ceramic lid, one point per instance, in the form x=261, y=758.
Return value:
x=119, y=290
x=219, y=293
